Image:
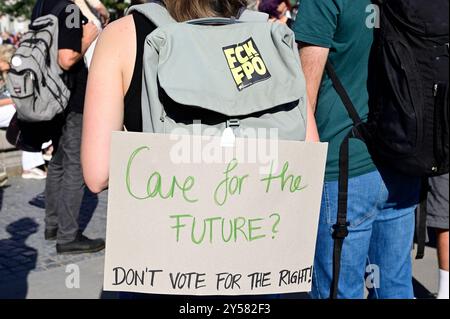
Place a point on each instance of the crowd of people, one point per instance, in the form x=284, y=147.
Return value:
x=32, y=162
x=9, y=38
x=106, y=96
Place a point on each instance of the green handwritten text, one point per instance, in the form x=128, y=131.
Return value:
x=220, y=229
x=230, y=185
x=154, y=187
x=293, y=183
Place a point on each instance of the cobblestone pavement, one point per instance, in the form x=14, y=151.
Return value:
x=30, y=267
x=23, y=249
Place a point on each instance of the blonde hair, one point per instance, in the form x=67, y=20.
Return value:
x=6, y=52
x=184, y=10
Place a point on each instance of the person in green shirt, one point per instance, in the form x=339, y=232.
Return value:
x=381, y=202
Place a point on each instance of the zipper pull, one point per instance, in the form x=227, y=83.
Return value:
x=25, y=83
x=230, y=132
x=163, y=119
x=163, y=116
x=435, y=89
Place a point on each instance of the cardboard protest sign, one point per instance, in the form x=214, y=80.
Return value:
x=188, y=216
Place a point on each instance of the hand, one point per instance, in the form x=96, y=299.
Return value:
x=103, y=13
x=105, y=19
x=90, y=32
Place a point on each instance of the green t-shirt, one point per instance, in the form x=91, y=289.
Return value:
x=341, y=26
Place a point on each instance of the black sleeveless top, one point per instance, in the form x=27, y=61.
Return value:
x=132, y=100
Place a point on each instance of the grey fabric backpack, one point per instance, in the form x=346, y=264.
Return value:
x=236, y=73
x=34, y=81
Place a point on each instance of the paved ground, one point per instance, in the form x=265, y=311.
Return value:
x=24, y=254
x=30, y=268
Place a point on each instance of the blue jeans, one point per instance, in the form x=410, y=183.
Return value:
x=381, y=215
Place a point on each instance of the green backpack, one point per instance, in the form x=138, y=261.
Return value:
x=240, y=73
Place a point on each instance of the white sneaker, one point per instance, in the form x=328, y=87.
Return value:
x=35, y=173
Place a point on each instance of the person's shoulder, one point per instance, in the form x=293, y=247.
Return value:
x=320, y=5
x=123, y=25
x=124, y=22
x=116, y=39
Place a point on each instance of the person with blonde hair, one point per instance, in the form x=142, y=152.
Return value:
x=6, y=53
x=113, y=99
x=7, y=109
x=31, y=161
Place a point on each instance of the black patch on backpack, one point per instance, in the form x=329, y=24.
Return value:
x=246, y=64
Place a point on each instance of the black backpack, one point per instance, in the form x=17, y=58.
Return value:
x=409, y=109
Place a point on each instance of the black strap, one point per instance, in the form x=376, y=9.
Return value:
x=341, y=226
x=60, y=6
x=40, y=8
x=56, y=10
x=421, y=220
x=343, y=95
x=240, y=12
x=37, y=10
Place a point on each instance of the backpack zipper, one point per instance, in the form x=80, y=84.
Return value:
x=163, y=119
x=25, y=83
x=33, y=76
x=435, y=89
x=230, y=133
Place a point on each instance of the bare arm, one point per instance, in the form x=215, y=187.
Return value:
x=68, y=58
x=313, y=60
x=108, y=82
x=4, y=102
x=312, y=134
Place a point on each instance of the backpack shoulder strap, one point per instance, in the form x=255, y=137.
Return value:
x=40, y=8
x=341, y=226
x=339, y=87
x=247, y=15
x=421, y=219
x=155, y=12
x=59, y=7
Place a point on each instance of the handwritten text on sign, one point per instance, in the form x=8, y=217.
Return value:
x=211, y=229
